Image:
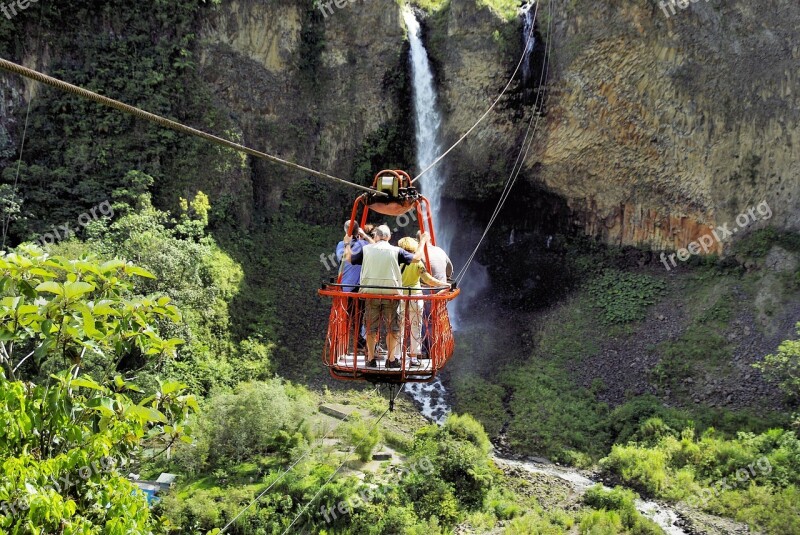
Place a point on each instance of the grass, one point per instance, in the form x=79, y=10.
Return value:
x=483, y=400
x=623, y=297
x=702, y=347
x=751, y=478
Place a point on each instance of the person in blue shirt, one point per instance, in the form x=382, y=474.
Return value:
x=351, y=276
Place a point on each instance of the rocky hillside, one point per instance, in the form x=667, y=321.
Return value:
x=657, y=128
x=309, y=84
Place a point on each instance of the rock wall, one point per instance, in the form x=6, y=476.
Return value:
x=305, y=84
x=657, y=128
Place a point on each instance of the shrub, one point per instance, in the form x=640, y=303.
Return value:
x=363, y=436
x=245, y=423
x=624, y=297
x=465, y=427
x=601, y=523
x=643, y=468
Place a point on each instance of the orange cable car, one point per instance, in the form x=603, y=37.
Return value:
x=424, y=322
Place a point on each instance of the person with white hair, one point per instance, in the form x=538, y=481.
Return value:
x=380, y=274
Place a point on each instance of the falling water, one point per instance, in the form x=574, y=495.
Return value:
x=427, y=122
x=528, y=40
x=427, y=117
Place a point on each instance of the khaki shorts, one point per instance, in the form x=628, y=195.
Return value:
x=382, y=312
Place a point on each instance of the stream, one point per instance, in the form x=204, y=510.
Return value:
x=431, y=399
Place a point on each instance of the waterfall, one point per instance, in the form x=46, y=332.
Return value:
x=427, y=118
x=427, y=124
x=528, y=41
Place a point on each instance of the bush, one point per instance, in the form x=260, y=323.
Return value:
x=246, y=423
x=624, y=297
x=363, y=436
x=601, y=523
x=465, y=427
x=643, y=468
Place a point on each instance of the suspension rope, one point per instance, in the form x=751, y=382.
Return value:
x=257, y=498
x=166, y=123
x=487, y=112
x=523, y=153
x=7, y=219
x=366, y=435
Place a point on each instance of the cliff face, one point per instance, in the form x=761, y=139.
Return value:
x=308, y=84
x=662, y=126
x=657, y=128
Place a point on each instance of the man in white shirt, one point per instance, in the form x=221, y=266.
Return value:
x=380, y=274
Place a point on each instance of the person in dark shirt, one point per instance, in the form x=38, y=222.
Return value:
x=351, y=275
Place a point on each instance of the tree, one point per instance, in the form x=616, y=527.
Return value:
x=63, y=441
x=784, y=366
x=76, y=313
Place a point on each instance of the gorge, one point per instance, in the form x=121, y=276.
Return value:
x=574, y=344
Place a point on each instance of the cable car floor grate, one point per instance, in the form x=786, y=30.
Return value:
x=345, y=362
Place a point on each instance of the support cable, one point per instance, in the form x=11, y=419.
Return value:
x=167, y=123
x=487, y=112
x=523, y=153
x=341, y=465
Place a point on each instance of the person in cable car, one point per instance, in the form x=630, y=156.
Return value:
x=441, y=265
x=351, y=275
x=412, y=275
x=380, y=274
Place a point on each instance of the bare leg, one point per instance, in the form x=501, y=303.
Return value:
x=391, y=344
x=371, y=340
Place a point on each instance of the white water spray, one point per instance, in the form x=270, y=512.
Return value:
x=427, y=124
x=528, y=39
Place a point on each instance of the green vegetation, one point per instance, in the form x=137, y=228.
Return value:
x=624, y=297
x=759, y=243
x=190, y=268
x=70, y=326
x=615, y=512
x=201, y=284
x=508, y=9
x=784, y=366
x=431, y=6
x=752, y=478
x=701, y=347
x=362, y=437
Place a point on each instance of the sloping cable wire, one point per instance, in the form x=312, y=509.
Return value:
x=7, y=219
x=291, y=467
x=366, y=435
x=167, y=123
x=488, y=111
x=523, y=153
